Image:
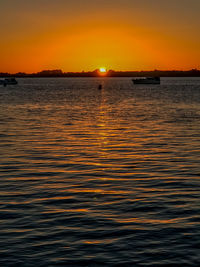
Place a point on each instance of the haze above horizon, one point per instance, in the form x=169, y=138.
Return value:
x=86, y=35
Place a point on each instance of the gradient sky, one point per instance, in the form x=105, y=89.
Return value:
x=76, y=35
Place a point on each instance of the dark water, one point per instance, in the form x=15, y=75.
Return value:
x=105, y=177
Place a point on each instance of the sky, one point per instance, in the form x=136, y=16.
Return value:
x=77, y=35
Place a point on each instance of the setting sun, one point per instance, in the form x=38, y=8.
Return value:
x=99, y=37
x=102, y=70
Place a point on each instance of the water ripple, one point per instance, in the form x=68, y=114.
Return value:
x=92, y=178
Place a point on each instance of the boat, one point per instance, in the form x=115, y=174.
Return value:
x=149, y=80
x=8, y=81
x=11, y=81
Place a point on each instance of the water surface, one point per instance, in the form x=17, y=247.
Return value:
x=105, y=177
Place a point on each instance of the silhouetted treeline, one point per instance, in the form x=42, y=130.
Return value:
x=110, y=73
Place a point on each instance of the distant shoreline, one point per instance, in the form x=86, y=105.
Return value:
x=110, y=73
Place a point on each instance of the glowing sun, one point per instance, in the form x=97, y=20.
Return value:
x=102, y=70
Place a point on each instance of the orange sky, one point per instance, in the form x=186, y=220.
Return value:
x=85, y=35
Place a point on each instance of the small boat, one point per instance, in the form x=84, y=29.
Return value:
x=150, y=80
x=11, y=81
x=8, y=81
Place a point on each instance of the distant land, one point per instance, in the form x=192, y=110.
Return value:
x=110, y=73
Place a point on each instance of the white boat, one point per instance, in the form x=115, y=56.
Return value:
x=150, y=80
x=8, y=81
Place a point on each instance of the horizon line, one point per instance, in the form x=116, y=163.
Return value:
x=60, y=71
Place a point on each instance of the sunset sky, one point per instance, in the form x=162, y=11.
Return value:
x=88, y=34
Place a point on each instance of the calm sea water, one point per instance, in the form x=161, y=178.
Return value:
x=105, y=177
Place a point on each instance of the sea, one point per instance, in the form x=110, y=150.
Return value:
x=106, y=177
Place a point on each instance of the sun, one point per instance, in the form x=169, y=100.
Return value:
x=102, y=70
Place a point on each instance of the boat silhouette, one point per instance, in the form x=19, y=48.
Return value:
x=149, y=80
x=8, y=81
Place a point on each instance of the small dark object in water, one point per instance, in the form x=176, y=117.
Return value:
x=8, y=81
x=11, y=81
x=150, y=80
x=100, y=86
